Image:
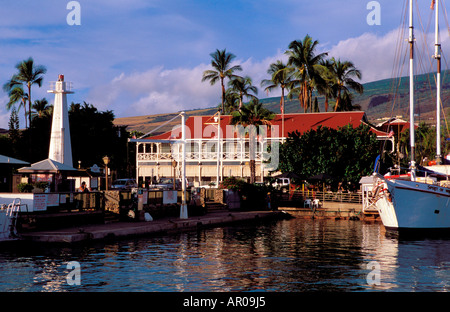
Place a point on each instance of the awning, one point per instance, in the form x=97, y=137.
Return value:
x=12, y=161
x=46, y=166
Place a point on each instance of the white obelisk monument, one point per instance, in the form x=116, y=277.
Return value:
x=60, y=145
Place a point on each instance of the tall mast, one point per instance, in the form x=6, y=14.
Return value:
x=437, y=56
x=411, y=91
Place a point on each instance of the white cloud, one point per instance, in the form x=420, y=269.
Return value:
x=371, y=54
x=257, y=70
x=4, y=114
x=379, y=57
x=160, y=90
x=156, y=90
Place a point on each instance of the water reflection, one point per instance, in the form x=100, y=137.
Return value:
x=291, y=255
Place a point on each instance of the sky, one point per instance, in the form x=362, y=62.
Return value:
x=142, y=57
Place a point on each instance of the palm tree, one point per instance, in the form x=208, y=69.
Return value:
x=17, y=95
x=28, y=74
x=345, y=103
x=221, y=62
x=250, y=116
x=41, y=109
x=242, y=86
x=326, y=87
x=343, y=73
x=231, y=101
x=303, y=58
x=281, y=76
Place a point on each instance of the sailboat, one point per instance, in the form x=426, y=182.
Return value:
x=408, y=203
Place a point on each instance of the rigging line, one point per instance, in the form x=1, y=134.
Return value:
x=424, y=47
x=424, y=40
x=442, y=105
x=397, y=68
x=445, y=16
x=445, y=61
x=160, y=126
x=397, y=48
x=400, y=66
x=444, y=76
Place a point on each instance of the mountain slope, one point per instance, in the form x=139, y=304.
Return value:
x=381, y=99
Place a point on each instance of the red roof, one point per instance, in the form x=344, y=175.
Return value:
x=205, y=127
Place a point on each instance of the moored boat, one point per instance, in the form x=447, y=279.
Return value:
x=408, y=203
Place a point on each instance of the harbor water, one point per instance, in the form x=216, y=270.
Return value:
x=297, y=255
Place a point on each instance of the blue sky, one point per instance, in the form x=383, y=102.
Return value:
x=140, y=57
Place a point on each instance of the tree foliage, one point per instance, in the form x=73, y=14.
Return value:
x=306, y=67
x=251, y=116
x=425, y=146
x=28, y=74
x=222, y=68
x=94, y=136
x=346, y=153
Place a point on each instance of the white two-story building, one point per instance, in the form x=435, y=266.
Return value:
x=215, y=149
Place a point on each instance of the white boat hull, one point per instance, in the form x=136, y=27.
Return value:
x=414, y=206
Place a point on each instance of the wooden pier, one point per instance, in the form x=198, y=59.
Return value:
x=330, y=205
x=116, y=230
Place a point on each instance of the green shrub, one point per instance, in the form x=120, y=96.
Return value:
x=25, y=187
x=41, y=185
x=232, y=183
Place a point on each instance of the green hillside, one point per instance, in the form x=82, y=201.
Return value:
x=386, y=98
x=381, y=99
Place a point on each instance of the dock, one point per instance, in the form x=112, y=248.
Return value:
x=126, y=229
x=332, y=210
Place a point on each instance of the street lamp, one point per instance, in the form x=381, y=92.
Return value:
x=174, y=165
x=106, y=162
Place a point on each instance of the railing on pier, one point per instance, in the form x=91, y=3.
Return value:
x=92, y=201
x=341, y=197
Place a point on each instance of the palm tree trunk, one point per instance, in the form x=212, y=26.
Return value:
x=252, y=171
x=282, y=112
x=25, y=109
x=338, y=98
x=305, y=97
x=326, y=103
x=252, y=137
x=223, y=96
x=29, y=102
x=310, y=100
x=300, y=98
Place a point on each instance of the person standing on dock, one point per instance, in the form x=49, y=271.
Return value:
x=268, y=201
x=83, y=187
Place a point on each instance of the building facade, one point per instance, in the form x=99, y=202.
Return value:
x=215, y=149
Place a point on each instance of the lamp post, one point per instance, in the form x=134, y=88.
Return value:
x=183, y=207
x=106, y=162
x=174, y=165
